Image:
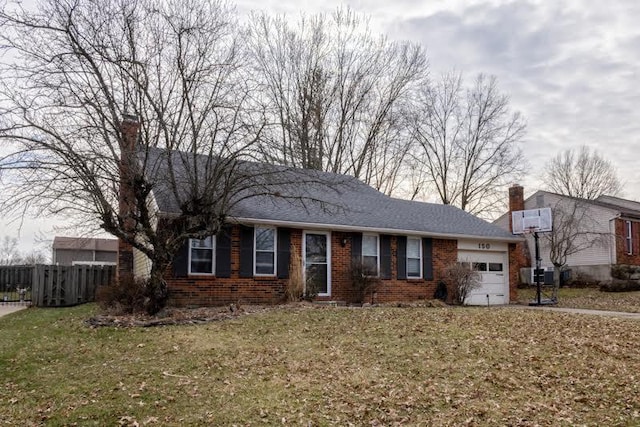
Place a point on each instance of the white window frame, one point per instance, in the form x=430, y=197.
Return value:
x=213, y=258
x=629, y=237
x=419, y=276
x=275, y=251
x=362, y=255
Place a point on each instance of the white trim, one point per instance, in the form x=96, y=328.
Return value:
x=275, y=251
x=213, y=259
x=406, y=256
x=93, y=263
x=628, y=237
x=327, y=235
x=482, y=245
x=398, y=232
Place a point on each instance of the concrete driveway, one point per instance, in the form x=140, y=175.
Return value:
x=619, y=314
x=6, y=309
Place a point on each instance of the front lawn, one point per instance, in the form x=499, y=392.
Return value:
x=589, y=298
x=323, y=366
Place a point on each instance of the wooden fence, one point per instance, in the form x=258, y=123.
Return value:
x=15, y=283
x=54, y=285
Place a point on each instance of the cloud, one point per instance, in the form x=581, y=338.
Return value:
x=572, y=71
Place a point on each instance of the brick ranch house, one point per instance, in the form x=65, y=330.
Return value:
x=611, y=223
x=408, y=243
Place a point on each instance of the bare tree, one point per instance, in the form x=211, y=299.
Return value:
x=582, y=173
x=573, y=232
x=464, y=280
x=337, y=95
x=96, y=89
x=468, y=143
x=9, y=253
x=34, y=257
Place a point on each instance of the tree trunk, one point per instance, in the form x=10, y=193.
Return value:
x=156, y=294
x=557, y=271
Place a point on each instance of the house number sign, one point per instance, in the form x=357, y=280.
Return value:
x=484, y=246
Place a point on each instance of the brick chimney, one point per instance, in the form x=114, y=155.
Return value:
x=126, y=198
x=516, y=201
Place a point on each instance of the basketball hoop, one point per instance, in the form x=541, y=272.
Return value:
x=531, y=220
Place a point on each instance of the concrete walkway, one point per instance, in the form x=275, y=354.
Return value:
x=619, y=314
x=6, y=308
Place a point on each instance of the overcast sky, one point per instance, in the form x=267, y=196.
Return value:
x=572, y=68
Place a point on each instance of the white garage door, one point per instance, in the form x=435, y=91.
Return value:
x=494, y=271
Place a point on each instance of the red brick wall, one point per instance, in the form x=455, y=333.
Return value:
x=126, y=198
x=209, y=290
x=516, y=201
x=518, y=258
x=622, y=255
x=195, y=290
x=518, y=252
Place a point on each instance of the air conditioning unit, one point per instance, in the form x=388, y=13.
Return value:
x=548, y=275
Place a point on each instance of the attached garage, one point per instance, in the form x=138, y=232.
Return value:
x=491, y=260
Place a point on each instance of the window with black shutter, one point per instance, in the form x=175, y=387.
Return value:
x=265, y=251
x=414, y=258
x=201, y=255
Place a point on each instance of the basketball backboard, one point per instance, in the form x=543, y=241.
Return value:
x=531, y=220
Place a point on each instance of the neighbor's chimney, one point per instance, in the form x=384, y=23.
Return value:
x=126, y=198
x=516, y=201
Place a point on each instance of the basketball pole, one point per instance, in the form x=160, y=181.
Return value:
x=534, y=221
x=538, y=262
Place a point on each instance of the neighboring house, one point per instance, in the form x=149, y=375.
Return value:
x=409, y=244
x=83, y=250
x=608, y=231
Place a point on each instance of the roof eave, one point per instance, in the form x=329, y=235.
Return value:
x=340, y=227
x=381, y=230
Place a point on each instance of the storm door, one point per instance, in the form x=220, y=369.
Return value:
x=317, y=262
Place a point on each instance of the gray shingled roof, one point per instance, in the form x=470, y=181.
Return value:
x=302, y=197
x=624, y=206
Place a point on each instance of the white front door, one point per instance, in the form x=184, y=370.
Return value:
x=317, y=261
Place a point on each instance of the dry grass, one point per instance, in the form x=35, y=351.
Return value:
x=323, y=366
x=590, y=298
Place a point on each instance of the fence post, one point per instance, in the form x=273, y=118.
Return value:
x=36, y=286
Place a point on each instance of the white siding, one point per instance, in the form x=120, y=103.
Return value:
x=597, y=221
x=141, y=264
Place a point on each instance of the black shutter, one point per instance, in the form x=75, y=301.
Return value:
x=385, y=257
x=427, y=258
x=401, y=262
x=356, y=248
x=181, y=260
x=223, y=252
x=246, y=251
x=284, y=254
